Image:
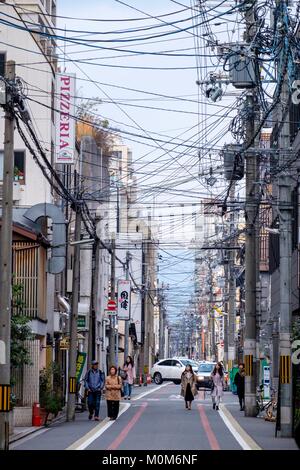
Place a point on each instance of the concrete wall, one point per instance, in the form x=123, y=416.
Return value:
x=22, y=416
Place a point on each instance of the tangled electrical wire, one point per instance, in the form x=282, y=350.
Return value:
x=237, y=126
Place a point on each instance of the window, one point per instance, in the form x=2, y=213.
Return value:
x=176, y=363
x=206, y=368
x=185, y=362
x=117, y=154
x=19, y=166
x=165, y=363
x=2, y=63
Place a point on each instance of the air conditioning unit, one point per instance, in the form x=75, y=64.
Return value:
x=241, y=67
x=16, y=191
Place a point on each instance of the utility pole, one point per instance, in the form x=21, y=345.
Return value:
x=226, y=269
x=112, y=333
x=126, y=344
x=93, y=301
x=212, y=317
x=251, y=244
x=285, y=248
x=74, y=317
x=161, y=322
x=6, y=261
x=232, y=288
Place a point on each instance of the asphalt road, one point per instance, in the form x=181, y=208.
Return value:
x=155, y=421
x=161, y=422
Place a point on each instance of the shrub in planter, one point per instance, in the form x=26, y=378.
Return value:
x=50, y=392
x=51, y=406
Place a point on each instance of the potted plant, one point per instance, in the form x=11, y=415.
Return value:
x=52, y=406
x=50, y=393
x=21, y=176
x=16, y=173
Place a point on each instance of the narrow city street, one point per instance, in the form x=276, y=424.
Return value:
x=156, y=419
x=149, y=226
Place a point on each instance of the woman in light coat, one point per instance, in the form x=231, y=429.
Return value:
x=218, y=384
x=188, y=386
x=113, y=386
x=130, y=377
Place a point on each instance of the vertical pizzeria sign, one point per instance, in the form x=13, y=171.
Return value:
x=65, y=123
x=124, y=300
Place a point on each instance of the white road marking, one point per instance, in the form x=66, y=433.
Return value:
x=241, y=436
x=150, y=391
x=175, y=397
x=92, y=435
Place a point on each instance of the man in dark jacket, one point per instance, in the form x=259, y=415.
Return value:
x=239, y=381
x=94, y=382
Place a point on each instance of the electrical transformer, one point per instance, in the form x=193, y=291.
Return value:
x=241, y=68
x=233, y=162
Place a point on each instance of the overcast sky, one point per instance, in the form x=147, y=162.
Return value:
x=167, y=173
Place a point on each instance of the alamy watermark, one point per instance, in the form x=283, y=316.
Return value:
x=296, y=353
x=296, y=92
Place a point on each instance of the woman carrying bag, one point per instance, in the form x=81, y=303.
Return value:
x=113, y=386
x=188, y=386
x=218, y=384
x=128, y=376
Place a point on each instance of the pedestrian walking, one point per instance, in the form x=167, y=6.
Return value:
x=188, y=386
x=94, y=383
x=239, y=381
x=129, y=378
x=113, y=386
x=218, y=384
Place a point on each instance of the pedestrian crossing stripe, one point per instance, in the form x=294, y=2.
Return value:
x=4, y=397
x=249, y=364
x=72, y=385
x=285, y=369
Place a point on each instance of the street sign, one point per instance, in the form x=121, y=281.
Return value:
x=64, y=344
x=65, y=122
x=80, y=361
x=81, y=321
x=111, y=306
x=109, y=313
x=266, y=382
x=124, y=289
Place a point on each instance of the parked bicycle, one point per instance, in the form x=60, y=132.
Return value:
x=268, y=406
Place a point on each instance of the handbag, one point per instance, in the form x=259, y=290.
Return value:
x=123, y=374
x=122, y=388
